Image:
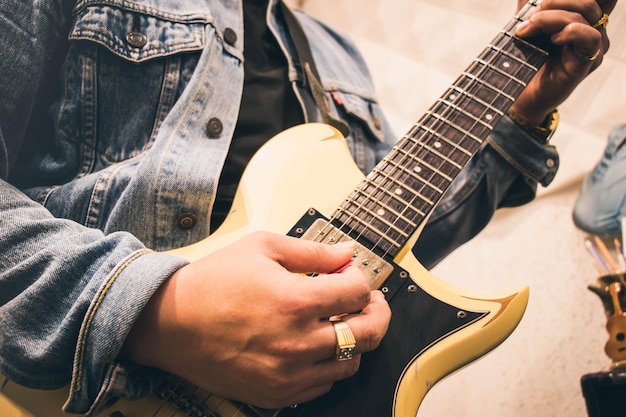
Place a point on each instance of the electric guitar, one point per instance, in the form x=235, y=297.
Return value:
x=435, y=329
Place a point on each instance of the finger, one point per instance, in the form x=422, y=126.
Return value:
x=368, y=327
x=568, y=23
x=305, y=256
x=548, y=22
x=570, y=30
x=607, y=6
x=590, y=10
x=320, y=379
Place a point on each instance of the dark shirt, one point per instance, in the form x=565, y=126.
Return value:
x=268, y=104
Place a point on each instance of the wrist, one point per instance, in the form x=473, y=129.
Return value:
x=144, y=343
x=541, y=131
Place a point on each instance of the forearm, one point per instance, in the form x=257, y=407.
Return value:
x=68, y=296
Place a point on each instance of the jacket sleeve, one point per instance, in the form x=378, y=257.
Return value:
x=504, y=173
x=68, y=294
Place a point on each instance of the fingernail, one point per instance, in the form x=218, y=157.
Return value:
x=345, y=244
x=522, y=28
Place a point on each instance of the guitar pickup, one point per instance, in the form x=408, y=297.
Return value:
x=375, y=268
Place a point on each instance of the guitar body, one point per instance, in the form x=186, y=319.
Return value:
x=301, y=175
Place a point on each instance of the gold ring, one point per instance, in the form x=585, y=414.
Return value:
x=585, y=57
x=345, y=341
x=603, y=22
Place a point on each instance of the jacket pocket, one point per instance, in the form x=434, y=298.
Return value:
x=125, y=71
x=138, y=36
x=365, y=119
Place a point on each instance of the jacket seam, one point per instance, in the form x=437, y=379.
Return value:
x=90, y=318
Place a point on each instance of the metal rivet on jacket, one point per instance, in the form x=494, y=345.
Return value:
x=136, y=39
x=230, y=36
x=214, y=127
x=186, y=221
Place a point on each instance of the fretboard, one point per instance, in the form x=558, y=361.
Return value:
x=398, y=195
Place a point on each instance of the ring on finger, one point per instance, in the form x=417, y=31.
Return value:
x=346, y=342
x=585, y=57
x=602, y=23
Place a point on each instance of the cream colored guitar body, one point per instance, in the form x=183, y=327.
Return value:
x=309, y=166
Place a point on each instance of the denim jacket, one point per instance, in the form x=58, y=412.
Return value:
x=115, y=120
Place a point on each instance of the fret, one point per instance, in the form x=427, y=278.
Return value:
x=460, y=97
x=428, y=164
x=464, y=143
x=476, y=87
x=392, y=215
x=397, y=196
x=409, y=207
x=389, y=205
x=369, y=227
x=509, y=61
x=498, y=72
x=498, y=80
x=378, y=198
x=434, y=171
x=441, y=120
x=442, y=151
x=472, y=110
x=482, y=114
x=524, y=54
x=408, y=180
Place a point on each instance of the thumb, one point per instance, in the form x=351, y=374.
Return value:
x=305, y=256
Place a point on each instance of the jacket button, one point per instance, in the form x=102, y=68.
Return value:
x=214, y=127
x=186, y=221
x=136, y=39
x=230, y=36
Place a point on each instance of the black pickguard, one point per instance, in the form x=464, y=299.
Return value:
x=419, y=320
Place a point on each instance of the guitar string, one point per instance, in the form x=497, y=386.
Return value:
x=167, y=399
x=438, y=125
x=487, y=116
x=434, y=124
x=421, y=146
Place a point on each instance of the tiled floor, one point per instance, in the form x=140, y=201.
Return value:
x=415, y=49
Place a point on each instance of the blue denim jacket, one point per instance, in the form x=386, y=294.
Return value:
x=104, y=145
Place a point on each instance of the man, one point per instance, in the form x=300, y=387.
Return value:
x=123, y=126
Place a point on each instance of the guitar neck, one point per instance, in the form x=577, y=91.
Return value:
x=402, y=190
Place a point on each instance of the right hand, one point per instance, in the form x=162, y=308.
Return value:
x=245, y=324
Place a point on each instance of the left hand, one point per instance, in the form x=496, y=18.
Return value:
x=569, y=24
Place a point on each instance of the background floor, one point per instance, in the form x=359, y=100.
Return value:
x=416, y=48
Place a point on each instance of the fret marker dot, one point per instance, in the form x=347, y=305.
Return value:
x=437, y=144
x=489, y=117
x=452, y=96
x=417, y=169
x=506, y=64
x=381, y=212
x=398, y=191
